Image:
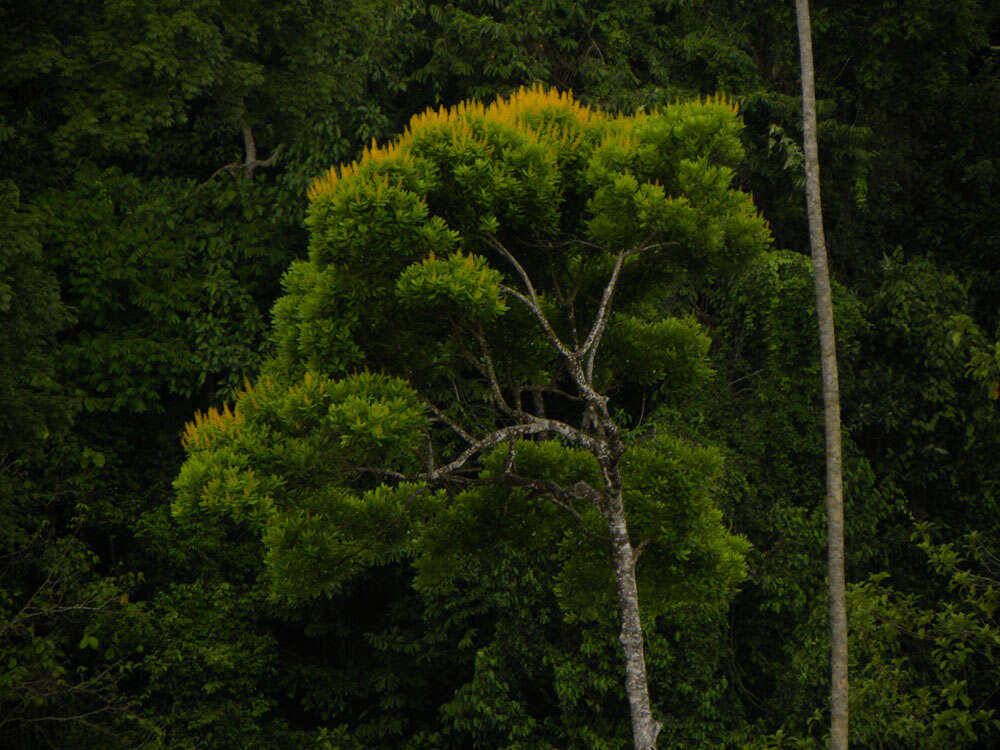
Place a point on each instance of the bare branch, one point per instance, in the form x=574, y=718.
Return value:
x=538, y=397
x=249, y=144
x=23, y=614
x=540, y=315
x=582, y=377
x=491, y=374
x=596, y=401
x=250, y=161
x=647, y=248
x=511, y=456
x=567, y=243
x=490, y=441
x=533, y=304
x=567, y=301
x=269, y=161
x=79, y=717
x=534, y=426
x=550, y=389
x=450, y=422
x=593, y=340
x=584, y=491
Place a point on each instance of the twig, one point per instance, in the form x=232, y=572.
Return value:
x=451, y=423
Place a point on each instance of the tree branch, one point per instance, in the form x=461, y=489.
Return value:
x=511, y=456
x=536, y=426
x=249, y=144
x=491, y=375
x=550, y=389
x=533, y=304
x=250, y=161
x=582, y=378
x=557, y=495
x=593, y=340
x=450, y=422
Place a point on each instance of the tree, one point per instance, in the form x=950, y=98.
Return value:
x=440, y=349
x=831, y=396
x=133, y=288
x=607, y=52
x=930, y=674
x=31, y=401
x=178, y=89
x=55, y=606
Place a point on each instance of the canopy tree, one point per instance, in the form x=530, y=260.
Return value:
x=492, y=313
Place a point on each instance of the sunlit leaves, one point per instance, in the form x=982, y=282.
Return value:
x=465, y=282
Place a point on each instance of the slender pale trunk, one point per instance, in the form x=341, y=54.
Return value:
x=831, y=395
x=645, y=728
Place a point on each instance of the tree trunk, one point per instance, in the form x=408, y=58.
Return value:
x=644, y=727
x=831, y=395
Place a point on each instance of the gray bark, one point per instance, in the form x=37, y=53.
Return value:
x=831, y=396
x=250, y=161
x=645, y=728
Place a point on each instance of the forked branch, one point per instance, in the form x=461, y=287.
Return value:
x=531, y=300
x=250, y=161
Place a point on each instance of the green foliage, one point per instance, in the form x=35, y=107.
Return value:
x=32, y=404
x=280, y=461
x=107, y=112
x=62, y=656
x=611, y=51
x=136, y=80
x=922, y=664
x=204, y=653
x=671, y=353
x=941, y=418
x=61, y=666
x=371, y=210
x=767, y=411
x=164, y=291
x=466, y=283
x=670, y=504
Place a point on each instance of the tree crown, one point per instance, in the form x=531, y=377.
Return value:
x=437, y=354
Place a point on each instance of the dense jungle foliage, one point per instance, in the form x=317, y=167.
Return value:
x=157, y=262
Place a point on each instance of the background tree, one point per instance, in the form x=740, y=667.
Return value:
x=114, y=118
x=54, y=601
x=831, y=395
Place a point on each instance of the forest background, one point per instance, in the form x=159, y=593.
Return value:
x=153, y=174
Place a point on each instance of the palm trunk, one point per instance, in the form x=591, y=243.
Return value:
x=831, y=395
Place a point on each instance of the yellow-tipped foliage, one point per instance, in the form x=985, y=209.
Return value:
x=199, y=432
x=534, y=110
